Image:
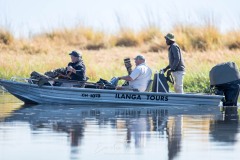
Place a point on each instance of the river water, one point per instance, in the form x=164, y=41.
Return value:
x=118, y=132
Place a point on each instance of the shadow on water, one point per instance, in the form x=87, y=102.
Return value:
x=74, y=120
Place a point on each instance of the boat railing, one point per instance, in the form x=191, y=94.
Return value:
x=63, y=82
x=20, y=79
x=2, y=89
x=49, y=81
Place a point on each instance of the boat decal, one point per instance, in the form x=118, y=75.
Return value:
x=157, y=98
x=141, y=97
x=128, y=96
x=91, y=95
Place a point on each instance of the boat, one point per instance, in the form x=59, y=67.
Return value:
x=32, y=93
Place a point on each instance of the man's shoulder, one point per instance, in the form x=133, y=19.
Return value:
x=143, y=65
x=174, y=48
x=80, y=63
x=174, y=45
x=137, y=69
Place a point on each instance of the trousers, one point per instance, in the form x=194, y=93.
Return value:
x=178, y=81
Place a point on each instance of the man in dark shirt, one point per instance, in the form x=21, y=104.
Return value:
x=76, y=69
x=176, y=63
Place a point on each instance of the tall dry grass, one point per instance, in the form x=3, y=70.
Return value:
x=192, y=38
x=232, y=40
x=6, y=37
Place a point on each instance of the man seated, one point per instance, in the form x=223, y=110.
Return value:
x=139, y=77
x=76, y=69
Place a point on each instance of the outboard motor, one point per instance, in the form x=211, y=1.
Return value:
x=225, y=80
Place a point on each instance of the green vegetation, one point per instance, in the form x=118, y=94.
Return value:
x=103, y=54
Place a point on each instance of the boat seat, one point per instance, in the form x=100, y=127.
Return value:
x=149, y=85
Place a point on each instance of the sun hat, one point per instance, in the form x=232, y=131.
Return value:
x=170, y=36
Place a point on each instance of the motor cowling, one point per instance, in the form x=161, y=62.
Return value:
x=225, y=80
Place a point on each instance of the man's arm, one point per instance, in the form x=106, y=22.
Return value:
x=78, y=70
x=135, y=73
x=126, y=78
x=176, y=57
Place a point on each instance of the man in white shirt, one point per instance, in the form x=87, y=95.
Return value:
x=139, y=77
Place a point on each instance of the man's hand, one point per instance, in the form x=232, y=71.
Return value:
x=169, y=72
x=164, y=70
x=71, y=69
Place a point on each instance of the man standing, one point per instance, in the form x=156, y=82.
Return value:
x=176, y=63
x=139, y=77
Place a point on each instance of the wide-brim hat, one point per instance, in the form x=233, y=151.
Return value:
x=170, y=36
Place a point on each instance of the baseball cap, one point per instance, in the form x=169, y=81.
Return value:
x=75, y=54
x=140, y=57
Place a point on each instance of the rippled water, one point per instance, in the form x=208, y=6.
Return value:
x=117, y=132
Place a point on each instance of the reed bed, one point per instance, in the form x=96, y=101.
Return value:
x=103, y=54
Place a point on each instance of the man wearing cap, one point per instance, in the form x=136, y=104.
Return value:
x=139, y=77
x=76, y=69
x=176, y=64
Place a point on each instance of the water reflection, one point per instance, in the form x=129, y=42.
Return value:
x=132, y=130
x=74, y=130
x=226, y=129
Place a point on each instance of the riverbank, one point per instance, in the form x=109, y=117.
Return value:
x=103, y=54
x=108, y=63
